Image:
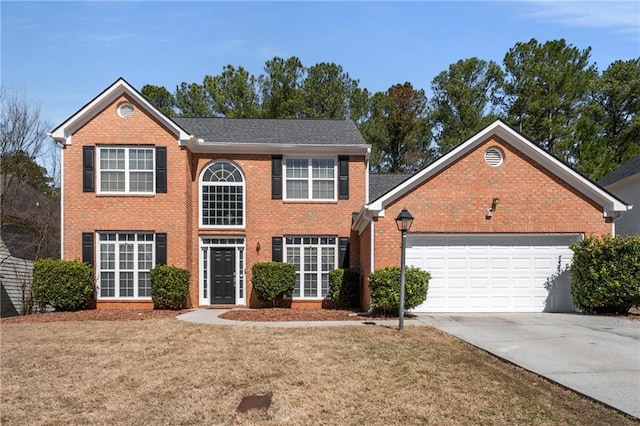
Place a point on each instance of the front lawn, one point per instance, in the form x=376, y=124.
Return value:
x=164, y=371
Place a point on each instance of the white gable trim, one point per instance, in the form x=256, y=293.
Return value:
x=63, y=132
x=612, y=206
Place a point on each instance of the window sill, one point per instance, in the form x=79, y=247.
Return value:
x=126, y=194
x=310, y=201
x=124, y=299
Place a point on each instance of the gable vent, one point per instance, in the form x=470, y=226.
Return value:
x=125, y=110
x=493, y=157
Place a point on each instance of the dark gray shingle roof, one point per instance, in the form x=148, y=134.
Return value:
x=273, y=131
x=380, y=184
x=629, y=168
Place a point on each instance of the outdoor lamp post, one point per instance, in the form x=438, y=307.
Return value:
x=403, y=222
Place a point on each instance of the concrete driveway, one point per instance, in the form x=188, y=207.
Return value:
x=594, y=355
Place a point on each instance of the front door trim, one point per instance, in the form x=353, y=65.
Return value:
x=207, y=244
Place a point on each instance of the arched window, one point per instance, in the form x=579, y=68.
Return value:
x=222, y=196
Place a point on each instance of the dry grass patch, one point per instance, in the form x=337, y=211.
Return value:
x=165, y=371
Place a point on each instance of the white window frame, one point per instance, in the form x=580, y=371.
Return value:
x=305, y=245
x=310, y=179
x=127, y=170
x=117, y=269
x=201, y=185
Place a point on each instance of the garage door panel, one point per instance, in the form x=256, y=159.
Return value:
x=498, y=283
x=490, y=272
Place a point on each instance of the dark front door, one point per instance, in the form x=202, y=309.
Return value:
x=223, y=264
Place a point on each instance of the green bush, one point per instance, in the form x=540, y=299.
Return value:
x=605, y=274
x=344, y=287
x=169, y=287
x=273, y=280
x=64, y=285
x=385, y=289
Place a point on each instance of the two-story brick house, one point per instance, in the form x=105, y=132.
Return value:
x=211, y=195
x=217, y=195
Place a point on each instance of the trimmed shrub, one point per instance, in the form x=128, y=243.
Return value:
x=344, y=287
x=64, y=285
x=169, y=287
x=385, y=289
x=273, y=280
x=605, y=274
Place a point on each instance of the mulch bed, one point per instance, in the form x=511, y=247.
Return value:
x=257, y=315
x=93, y=315
x=285, y=314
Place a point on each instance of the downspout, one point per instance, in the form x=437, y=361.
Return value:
x=62, y=146
x=372, y=261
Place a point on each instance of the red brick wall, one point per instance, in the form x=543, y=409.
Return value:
x=266, y=218
x=90, y=212
x=456, y=200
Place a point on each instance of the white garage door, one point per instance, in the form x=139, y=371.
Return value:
x=493, y=272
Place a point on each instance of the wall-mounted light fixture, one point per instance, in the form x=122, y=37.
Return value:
x=494, y=204
x=258, y=247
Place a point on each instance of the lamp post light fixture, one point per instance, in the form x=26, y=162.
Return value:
x=403, y=222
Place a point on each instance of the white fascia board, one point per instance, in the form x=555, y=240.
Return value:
x=201, y=147
x=63, y=132
x=361, y=221
x=609, y=202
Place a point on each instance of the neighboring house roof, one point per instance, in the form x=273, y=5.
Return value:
x=625, y=170
x=610, y=203
x=380, y=183
x=25, y=212
x=120, y=87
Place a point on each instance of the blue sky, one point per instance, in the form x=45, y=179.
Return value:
x=62, y=54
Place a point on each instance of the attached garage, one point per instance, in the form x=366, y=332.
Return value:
x=493, y=272
x=491, y=220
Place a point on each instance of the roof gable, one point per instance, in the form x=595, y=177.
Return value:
x=64, y=131
x=589, y=189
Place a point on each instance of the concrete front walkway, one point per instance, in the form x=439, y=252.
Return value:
x=596, y=356
x=211, y=316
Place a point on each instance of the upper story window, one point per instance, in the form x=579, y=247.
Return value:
x=310, y=179
x=222, y=194
x=126, y=170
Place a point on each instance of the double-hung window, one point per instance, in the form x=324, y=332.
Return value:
x=125, y=260
x=126, y=170
x=310, y=179
x=313, y=258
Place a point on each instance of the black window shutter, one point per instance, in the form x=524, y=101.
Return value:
x=343, y=252
x=161, y=248
x=343, y=177
x=87, y=247
x=276, y=177
x=161, y=169
x=276, y=249
x=88, y=169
